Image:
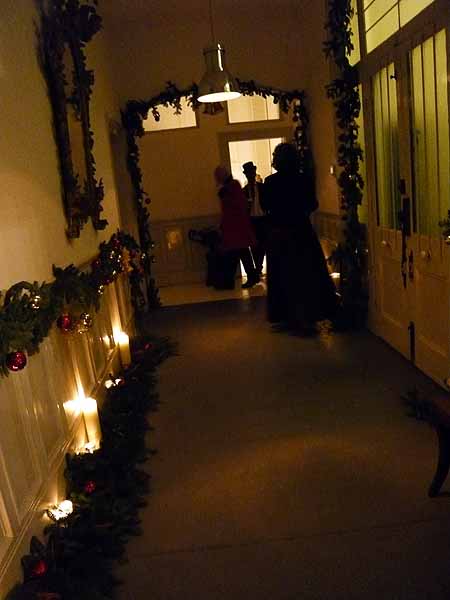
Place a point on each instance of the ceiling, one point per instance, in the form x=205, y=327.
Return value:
x=165, y=12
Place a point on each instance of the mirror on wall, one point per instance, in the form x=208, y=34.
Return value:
x=65, y=29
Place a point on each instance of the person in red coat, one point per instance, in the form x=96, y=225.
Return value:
x=236, y=228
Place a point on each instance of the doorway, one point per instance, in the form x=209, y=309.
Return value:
x=409, y=159
x=258, y=151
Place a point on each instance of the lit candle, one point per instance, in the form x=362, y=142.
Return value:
x=60, y=511
x=124, y=346
x=90, y=414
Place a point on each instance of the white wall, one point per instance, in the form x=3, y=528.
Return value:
x=35, y=430
x=278, y=44
x=32, y=221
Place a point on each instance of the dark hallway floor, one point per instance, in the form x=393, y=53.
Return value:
x=287, y=469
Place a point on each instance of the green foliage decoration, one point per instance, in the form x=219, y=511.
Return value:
x=29, y=310
x=107, y=488
x=350, y=257
x=136, y=111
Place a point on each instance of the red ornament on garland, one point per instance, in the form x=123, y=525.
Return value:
x=89, y=487
x=39, y=569
x=16, y=361
x=65, y=323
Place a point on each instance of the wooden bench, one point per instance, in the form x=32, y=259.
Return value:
x=440, y=419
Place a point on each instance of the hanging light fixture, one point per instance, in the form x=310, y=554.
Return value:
x=217, y=84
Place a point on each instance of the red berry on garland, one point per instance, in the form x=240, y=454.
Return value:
x=65, y=323
x=39, y=569
x=89, y=487
x=147, y=201
x=16, y=361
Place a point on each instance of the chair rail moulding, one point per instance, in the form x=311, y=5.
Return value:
x=66, y=26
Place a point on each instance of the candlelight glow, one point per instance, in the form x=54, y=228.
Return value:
x=123, y=341
x=60, y=511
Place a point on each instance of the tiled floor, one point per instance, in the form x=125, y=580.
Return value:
x=287, y=469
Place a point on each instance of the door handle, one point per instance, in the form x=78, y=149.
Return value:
x=385, y=244
x=425, y=255
x=411, y=266
x=404, y=217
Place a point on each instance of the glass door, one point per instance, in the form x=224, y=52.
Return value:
x=410, y=163
x=388, y=238
x=430, y=186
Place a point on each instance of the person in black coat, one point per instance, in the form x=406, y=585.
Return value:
x=300, y=291
x=255, y=197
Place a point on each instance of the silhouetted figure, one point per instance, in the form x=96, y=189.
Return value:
x=236, y=228
x=254, y=193
x=300, y=291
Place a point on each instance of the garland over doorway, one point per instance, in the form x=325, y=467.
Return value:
x=136, y=111
x=350, y=256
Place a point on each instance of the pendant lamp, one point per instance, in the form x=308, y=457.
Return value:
x=217, y=84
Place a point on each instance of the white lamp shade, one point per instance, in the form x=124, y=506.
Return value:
x=217, y=84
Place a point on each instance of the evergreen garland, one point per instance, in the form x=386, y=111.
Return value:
x=107, y=488
x=350, y=256
x=29, y=310
x=137, y=110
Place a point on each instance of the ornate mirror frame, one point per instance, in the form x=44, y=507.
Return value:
x=66, y=27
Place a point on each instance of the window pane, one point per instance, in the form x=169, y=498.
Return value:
x=380, y=32
x=382, y=18
x=258, y=151
x=443, y=122
x=252, y=108
x=355, y=54
x=377, y=10
x=169, y=120
x=410, y=8
x=386, y=146
x=431, y=136
x=430, y=132
x=418, y=133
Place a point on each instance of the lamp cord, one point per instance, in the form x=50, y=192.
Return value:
x=211, y=21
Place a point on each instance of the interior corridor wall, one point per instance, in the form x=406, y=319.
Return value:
x=32, y=221
x=275, y=43
x=35, y=432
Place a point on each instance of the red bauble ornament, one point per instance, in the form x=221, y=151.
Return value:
x=89, y=487
x=16, y=361
x=65, y=323
x=39, y=569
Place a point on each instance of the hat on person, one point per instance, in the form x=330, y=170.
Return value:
x=248, y=166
